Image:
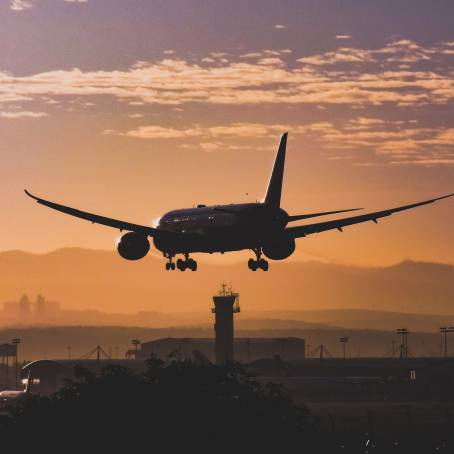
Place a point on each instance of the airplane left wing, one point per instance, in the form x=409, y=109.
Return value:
x=339, y=224
x=96, y=219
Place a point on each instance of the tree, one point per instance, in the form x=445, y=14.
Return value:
x=188, y=405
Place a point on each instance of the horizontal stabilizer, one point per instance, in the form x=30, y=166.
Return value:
x=298, y=217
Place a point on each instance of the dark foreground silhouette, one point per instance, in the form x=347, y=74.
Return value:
x=185, y=406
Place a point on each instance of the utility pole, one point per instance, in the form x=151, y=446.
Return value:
x=343, y=341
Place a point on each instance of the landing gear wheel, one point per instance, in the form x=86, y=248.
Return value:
x=252, y=264
x=181, y=264
x=259, y=262
x=168, y=266
x=192, y=265
x=263, y=264
x=172, y=266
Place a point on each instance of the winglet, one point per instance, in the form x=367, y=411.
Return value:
x=30, y=195
x=273, y=193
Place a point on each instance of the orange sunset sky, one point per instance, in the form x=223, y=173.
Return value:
x=132, y=108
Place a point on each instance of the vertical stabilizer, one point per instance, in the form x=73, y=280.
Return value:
x=28, y=385
x=273, y=193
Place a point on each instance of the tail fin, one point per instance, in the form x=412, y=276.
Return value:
x=273, y=193
x=28, y=385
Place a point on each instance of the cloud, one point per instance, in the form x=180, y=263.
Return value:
x=344, y=36
x=342, y=55
x=279, y=27
x=22, y=114
x=159, y=132
x=320, y=79
x=21, y=5
x=397, y=141
x=237, y=130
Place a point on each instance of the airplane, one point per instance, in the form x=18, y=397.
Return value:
x=261, y=227
x=9, y=396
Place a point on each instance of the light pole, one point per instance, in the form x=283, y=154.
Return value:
x=404, y=346
x=343, y=341
x=16, y=342
x=136, y=343
x=445, y=330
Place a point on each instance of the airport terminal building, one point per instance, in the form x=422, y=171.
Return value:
x=246, y=350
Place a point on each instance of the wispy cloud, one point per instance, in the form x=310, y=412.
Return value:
x=22, y=114
x=352, y=76
x=21, y=5
x=391, y=141
x=401, y=74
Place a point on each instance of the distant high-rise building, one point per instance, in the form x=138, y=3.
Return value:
x=45, y=309
x=26, y=310
x=24, y=307
x=40, y=306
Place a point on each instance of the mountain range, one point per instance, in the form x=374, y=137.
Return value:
x=83, y=279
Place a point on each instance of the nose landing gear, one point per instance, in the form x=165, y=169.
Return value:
x=259, y=263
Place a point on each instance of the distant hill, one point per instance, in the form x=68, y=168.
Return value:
x=101, y=280
x=348, y=318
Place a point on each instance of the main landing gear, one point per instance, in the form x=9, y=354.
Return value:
x=259, y=263
x=181, y=264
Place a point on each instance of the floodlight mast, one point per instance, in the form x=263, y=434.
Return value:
x=445, y=330
x=343, y=341
x=16, y=342
x=404, y=346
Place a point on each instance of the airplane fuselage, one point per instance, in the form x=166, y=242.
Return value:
x=221, y=228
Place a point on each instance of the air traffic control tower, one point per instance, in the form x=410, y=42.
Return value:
x=226, y=303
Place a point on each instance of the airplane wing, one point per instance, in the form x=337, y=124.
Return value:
x=339, y=224
x=299, y=217
x=96, y=219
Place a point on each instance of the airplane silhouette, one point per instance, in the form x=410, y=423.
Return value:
x=261, y=227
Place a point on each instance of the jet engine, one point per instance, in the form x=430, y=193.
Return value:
x=133, y=246
x=280, y=249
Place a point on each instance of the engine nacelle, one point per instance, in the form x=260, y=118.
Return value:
x=280, y=249
x=133, y=246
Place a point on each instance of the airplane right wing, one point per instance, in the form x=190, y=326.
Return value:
x=304, y=230
x=299, y=217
